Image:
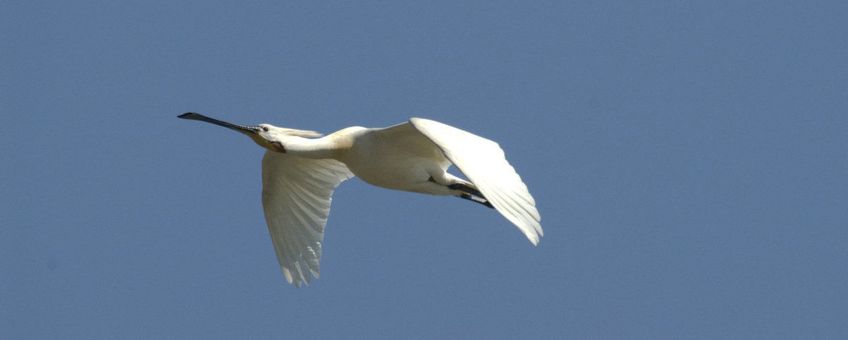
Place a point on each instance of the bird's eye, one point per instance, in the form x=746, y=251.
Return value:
x=264, y=128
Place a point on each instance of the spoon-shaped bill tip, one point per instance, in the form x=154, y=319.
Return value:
x=190, y=115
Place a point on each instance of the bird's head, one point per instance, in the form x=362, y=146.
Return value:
x=266, y=135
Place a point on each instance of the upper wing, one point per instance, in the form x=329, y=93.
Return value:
x=296, y=195
x=484, y=163
x=406, y=137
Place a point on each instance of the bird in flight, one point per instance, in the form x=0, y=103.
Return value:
x=301, y=169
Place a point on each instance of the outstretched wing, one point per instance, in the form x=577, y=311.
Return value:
x=484, y=163
x=296, y=196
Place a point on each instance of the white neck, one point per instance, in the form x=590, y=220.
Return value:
x=317, y=148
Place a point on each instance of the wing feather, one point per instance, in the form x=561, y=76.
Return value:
x=296, y=196
x=484, y=163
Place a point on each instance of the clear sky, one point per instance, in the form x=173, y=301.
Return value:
x=689, y=160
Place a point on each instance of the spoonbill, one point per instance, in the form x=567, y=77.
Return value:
x=301, y=169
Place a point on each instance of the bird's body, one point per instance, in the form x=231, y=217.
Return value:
x=405, y=165
x=301, y=169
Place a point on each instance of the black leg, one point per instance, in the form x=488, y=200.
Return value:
x=466, y=189
x=470, y=193
x=474, y=199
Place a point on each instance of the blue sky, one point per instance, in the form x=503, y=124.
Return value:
x=688, y=159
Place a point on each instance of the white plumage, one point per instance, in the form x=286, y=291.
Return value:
x=301, y=170
x=296, y=196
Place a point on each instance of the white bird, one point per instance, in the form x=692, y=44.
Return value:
x=301, y=169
